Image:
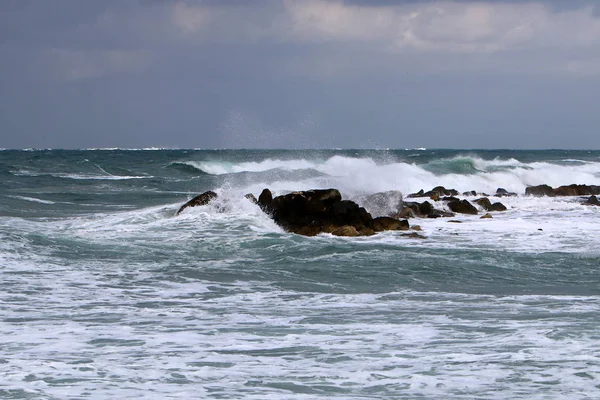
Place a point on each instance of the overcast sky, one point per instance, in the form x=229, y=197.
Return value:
x=300, y=74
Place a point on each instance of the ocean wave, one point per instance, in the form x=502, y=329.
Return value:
x=364, y=175
x=80, y=176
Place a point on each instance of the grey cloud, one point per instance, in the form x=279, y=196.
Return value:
x=114, y=73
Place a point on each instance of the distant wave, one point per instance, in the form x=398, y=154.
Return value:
x=33, y=199
x=368, y=175
x=78, y=176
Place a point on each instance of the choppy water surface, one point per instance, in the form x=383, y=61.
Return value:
x=106, y=294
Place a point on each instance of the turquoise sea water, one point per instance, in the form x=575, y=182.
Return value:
x=105, y=293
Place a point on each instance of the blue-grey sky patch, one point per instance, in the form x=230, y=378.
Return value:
x=313, y=73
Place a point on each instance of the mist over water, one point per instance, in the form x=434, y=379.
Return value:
x=107, y=294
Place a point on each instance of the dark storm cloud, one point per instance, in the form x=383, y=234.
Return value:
x=298, y=74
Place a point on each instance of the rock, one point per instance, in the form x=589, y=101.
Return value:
x=389, y=224
x=265, y=200
x=416, y=228
x=345, y=230
x=455, y=221
x=592, y=201
x=200, y=200
x=251, y=197
x=487, y=205
x=486, y=215
x=422, y=210
x=462, y=207
x=420, y=193
x=501, y=192
x=321, y=211
x=414, y=235
x=383, y=204
x=437, y=191
x=471, y=193
x=540, y=190
x=484, y=202
x=498, y=207
x=566, y=190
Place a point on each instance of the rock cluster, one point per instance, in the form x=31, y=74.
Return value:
x=323, y=211
x=570, y=190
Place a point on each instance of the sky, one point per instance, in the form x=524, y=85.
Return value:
x=300, y=74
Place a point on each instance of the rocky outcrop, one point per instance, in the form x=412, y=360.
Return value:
x=567, y=190
x=323, y=211
x=200, y=200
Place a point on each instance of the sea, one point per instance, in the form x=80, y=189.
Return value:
x=106, y=293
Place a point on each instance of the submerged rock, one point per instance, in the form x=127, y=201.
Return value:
x=592, y=201
x=200, y=200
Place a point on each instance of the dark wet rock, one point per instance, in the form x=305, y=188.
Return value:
x=566, y=190
x=200, y=200
x=321, y=211
x=486, y=216
x=435, y=193
x=420, y=193
x=389, y=224
x=592, y=201
x=383, y=204
x=265, y=200
x=421, y=210
x=484, y=202
x=414, y=235
x=346, y=230
x=454, y=221
x=539, y=190
x=471, y=193
x=501, y=192
x=487, y=205
x=462, y=207
x=498, y=207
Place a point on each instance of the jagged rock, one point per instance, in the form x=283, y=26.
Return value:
x=471, y=193
x=200, y=200
x=486, y=215
x=462, y=207
x=382, y=204
x=320, y=211
x=436, y=192
x=265, y=200
x=389, y=224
